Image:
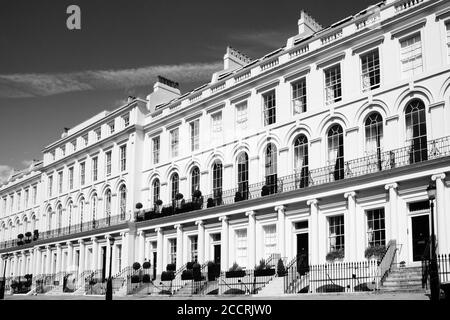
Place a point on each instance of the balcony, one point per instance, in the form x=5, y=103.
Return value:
x=305, y=178
x=66, y=231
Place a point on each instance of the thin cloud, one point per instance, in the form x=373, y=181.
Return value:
x=268, y=39
x=5, y=173
x=41, y=84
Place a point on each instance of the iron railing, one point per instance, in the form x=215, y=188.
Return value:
x=296, y=274
x=248, y=282
x=387, y=261
x=302, y=179
x=70, y=230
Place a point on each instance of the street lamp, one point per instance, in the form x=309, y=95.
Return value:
x=434, y=275
x=109, y=290
x=3, y=284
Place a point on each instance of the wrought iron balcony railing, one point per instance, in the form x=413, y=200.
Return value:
x=304, y=178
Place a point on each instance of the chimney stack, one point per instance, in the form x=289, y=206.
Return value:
x=65, y=133
x=233, y=59
x=164, y=90
x=307, y=25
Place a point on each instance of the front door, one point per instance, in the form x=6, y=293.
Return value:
x=302, y=253
x=154, y=265
x=217, y=254
x=420, y=235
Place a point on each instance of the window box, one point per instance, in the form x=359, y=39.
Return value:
x=375, y=252
x=335, y=256
x=235, y=274
x=264, y=272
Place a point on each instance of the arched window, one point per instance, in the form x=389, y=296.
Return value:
x=123, y=201
x=94, y=204
x=416, y=131
x=271, y=168
x=336, y=151
x=217, y=181
x=81, y=210
x=301, y=161
x=175, y=181
x=108, y=203
x=156, y=186
x=11, y=231
x=59, y=218
x=69, y=214
x=49, y=218
x=374, y=139
x=242, y=164
x=195, y=180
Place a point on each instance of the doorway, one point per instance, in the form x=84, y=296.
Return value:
x=302, y=253
x=154, y=264
x=103, y=263
x=420, y=234
x=217, y=254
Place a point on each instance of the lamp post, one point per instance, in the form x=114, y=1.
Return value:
x=3, y=285
x=109, y=290
x=434, y=275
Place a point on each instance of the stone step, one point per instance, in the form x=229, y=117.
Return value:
x=404, y=278
x=402, y=284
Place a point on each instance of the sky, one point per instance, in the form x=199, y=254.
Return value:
x=52, y=77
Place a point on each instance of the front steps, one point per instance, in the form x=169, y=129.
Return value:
x=273, y=288
x=406, y=279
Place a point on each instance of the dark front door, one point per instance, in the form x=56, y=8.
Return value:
x=154, y=265
x=103, y=263
x=420, y=235
x=302, y=253
x=217, y=254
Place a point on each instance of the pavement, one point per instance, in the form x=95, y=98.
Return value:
x=310, y=296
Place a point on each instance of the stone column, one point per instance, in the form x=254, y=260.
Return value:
x=391, y=216
x=179, y=228
x=22, y=265
x=159, y=251
x=48, y=260
x=141, y=247
x=82, y=256
x=37, y=261
x=69, y=256
x=108, y=255
x=124, y=250
x=224, y=244
x=281, y=230
x=201, y=241
x=350, y=231
x=313, y=231
x=94, y=262
x=439, y=214
x=251, y=236
x=58, y=258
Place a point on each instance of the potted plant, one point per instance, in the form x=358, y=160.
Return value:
x=189, y=265
x=20, y=241
x=135, y=279
x=210, y=203
x=265, y=191
x=235, y=271
x=197, y=194
x=213, y=271
x=196, y=272
x=158, y=206
x=139, y=217
x=146, y=278
x=281, y=270
x=237, y=196
x=171, y=267
x=35, y=235
x=187, y=275
x=335, y=255
x=178, y=197
x=167, y=276
x=263, y=269
x=28, y=237
x=375, y=252
x=136, y=266
x=146, y=265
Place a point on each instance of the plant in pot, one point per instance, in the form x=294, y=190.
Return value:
x=167, y=275
x=265, y=191
x=196, y=272
x=20, y=239
x=335, y=255
x=189, y=265
x=235, y=271
x=158, y=206
x=28, y=235
x=179, y=198
x=187, y=275
x=210, y=203
x=136, y=267
x=171, y=267
x=146, y=265
x=237, y=196
x=146, y=278
x=263, y=269
x=35, y=235
x=375, y=252
x=197, y=199
x=281, y=270
x=135, y=279
x=139, y=216
x=213, y=271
